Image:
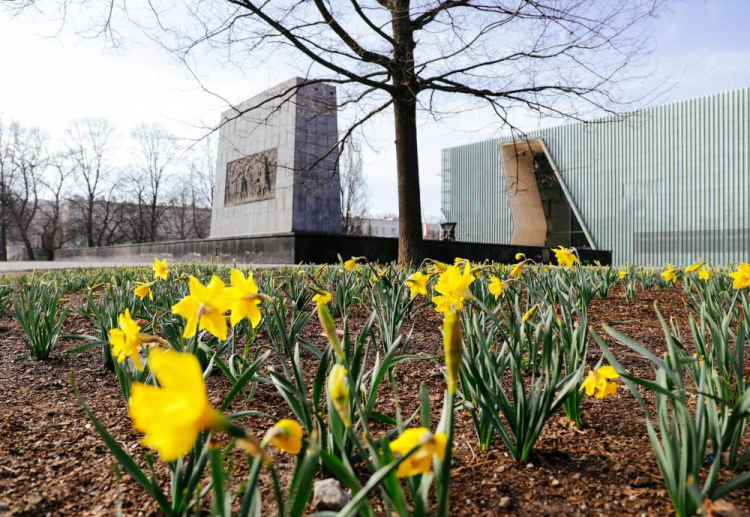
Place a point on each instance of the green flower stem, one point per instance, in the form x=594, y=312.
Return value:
x=445, y=468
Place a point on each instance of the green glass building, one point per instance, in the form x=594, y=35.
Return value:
x=665, y=184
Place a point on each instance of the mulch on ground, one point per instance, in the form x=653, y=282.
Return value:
x=52, y=462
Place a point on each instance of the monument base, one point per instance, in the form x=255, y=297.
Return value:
x=315, y=248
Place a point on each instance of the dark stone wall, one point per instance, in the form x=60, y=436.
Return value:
x=319, y=248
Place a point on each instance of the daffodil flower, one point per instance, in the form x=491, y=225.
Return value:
x=695, y=267
x=496, y=287
x=622, y=274
x=704, y=274
x=417, y=284
x=596, y=382
x=143, y=289
x=420, y=462
x=566, y=257
x=741, y=276
x=517, y=269
x=453, y=289
x=173, y=414
x=204, y=308
x=322, y=297
x=243, y=298
x=160, y=269
x=669, y=273
x=126, y=341
x=285, y=435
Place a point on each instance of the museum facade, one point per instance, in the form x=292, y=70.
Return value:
x=665, y=184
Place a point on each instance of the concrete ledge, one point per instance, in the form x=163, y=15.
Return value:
x=318, y=248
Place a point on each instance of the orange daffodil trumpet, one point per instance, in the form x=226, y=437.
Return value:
x=420, y=462
x=596, y=382
x=741, y=277
x=566, y=257
x=160, y=269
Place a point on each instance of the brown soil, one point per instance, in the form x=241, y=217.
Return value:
x=52, y=462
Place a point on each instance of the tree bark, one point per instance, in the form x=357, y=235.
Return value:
x=410, y=250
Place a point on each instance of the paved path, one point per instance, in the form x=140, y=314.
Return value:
x=22, y=266
x=27, y=266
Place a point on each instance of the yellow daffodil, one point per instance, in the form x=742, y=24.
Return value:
x=204, y=308
x=453, y=289
x=350, y=264
x=420, y=462
x=338, y=390
x=453, y=348
x=285, y=435
x=143, y=289
x=741, y=276
x=622, y=274
x=517, y=269
x=160, y=269
x=704, y=274
x=597, y=382
x=669, y=273
x=172, y=415
x=322, y=297
x=496, y=287
x=126, y=341
x=530, y=313
x=417, y=284
x=520, y=256
x=695, y=267
x=243, y=298
x=437, y=267
x=566, y=257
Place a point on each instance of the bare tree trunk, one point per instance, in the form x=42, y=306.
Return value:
x=410, y=250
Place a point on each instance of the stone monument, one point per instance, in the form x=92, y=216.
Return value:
x=276, y=165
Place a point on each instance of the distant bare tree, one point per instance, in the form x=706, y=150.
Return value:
x=5, y=160
x=88, y=145
x=354, y=191
x=55, y=184
x=27, y=162
x=202, y=177
x=156, y=150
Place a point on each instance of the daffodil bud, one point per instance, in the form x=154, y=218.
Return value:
x=453, y=347
x=338, y=390
x=329, y=327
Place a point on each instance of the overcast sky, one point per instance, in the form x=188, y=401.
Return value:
x=49, y=78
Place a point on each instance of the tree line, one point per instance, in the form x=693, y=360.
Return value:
x=93, y=186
